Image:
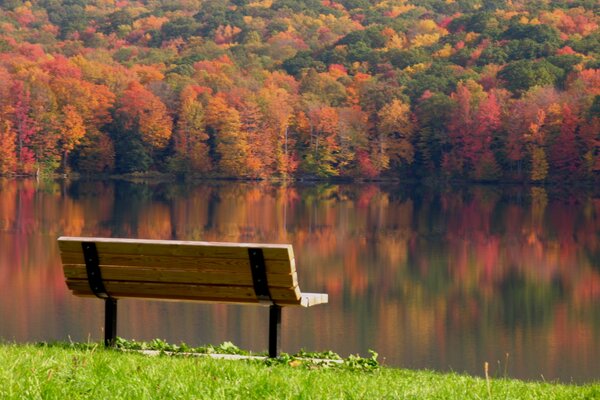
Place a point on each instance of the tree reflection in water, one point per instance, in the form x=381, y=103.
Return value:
x=430, y=278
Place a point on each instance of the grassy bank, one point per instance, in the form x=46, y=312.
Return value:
x=90, y=371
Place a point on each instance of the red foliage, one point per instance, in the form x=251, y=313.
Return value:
x=564, y=155
x=365, y=165
x=59, y=66
x=565, y=50
x=25, y=128
x=140, y=109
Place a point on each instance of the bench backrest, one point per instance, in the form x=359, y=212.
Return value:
x=182, y=270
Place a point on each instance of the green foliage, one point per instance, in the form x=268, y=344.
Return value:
x=439, y=77
x=483, y=22
x=528, y=49
x=215, y=13
x=324, y=359
x=303, y=60
x=566, y=62
x=181, y=27
x=370, y=38
x=539, y=33
x=117, y=19
x=405, y=58
x=308, y=7
x=588, y=44
x=355, y=362
x=594, y=111
x=132, y=155
x=520, y=76
x=433, y=115
x=69, y=15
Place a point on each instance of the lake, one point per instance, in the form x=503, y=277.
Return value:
x=443, y=279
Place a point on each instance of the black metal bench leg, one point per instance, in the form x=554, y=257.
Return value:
x=274, y=331
x=110, y=322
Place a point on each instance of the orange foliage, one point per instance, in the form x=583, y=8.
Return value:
x=142, y=110
x=8, y=157
x=226, y=34
x=93, y=102
x=232, y=144
x=148, y=73
x=591, y=80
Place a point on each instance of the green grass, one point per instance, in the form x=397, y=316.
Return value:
x=92, y=372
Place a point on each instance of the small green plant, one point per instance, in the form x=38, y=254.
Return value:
x=355, y=362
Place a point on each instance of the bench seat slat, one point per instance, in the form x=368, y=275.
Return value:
x=192, y=263
x=177, y=274
x=200, y=300
x=176, y=248
x=121, y=289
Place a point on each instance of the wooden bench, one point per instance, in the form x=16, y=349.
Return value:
x=240, y=273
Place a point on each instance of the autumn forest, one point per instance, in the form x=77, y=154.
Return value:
x=478, y=90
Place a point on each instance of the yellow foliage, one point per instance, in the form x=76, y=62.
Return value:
x=476, y=90
x=426, y=26
x=506, y=15
x=147, y=73
x=539, y=164
x=411, y=69
x=263, y=3
x=105, y=3
x=150, y=23
x=554, y=113
x=399, y=10
x=390, y=3
x=396, y=41
x=427, y=39
x=471, y=37
x=444, y=52
x=396, y=129
x=72, y=129
x=551, y=18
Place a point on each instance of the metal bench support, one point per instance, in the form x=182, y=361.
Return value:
x=92, y=266
x=274, y=330
x=110, y=322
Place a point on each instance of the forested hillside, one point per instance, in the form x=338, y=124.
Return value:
x=472, y=89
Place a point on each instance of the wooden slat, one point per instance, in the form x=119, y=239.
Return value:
x=280, y=295
x=120, y=289
x=253, y=302
x=176, y=274
x=177, y=248
x=183, y=262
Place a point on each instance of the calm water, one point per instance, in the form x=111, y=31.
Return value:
x=443, y=280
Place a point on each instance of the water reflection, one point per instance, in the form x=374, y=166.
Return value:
x=443, y=279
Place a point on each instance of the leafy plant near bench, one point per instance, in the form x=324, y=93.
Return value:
x=306, y=359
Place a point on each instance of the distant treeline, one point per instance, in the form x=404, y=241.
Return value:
x=469, y=89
